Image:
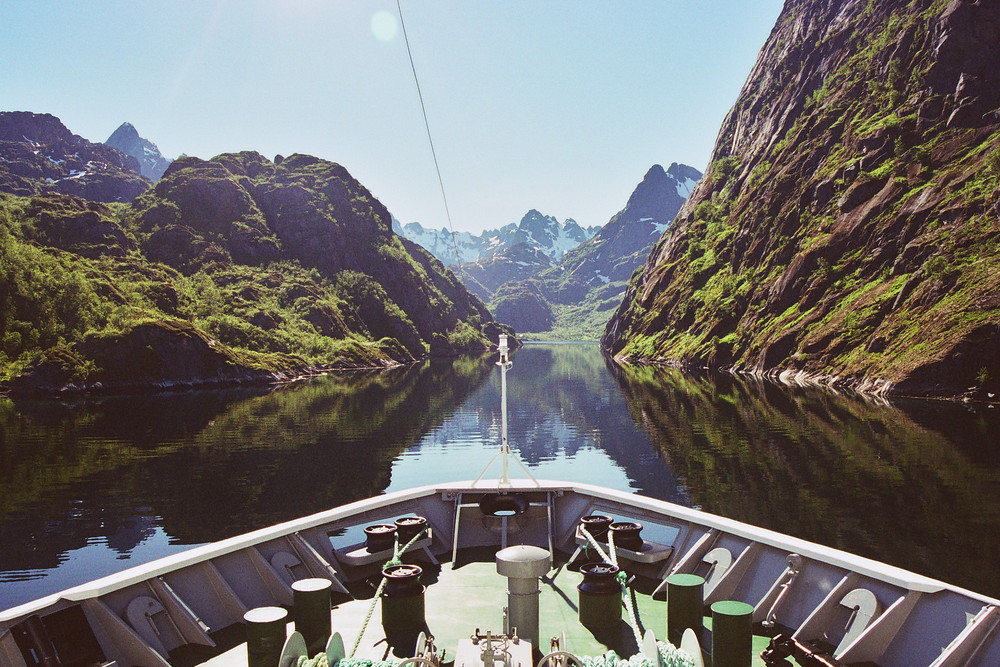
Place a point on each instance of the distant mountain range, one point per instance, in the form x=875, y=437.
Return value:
x=542, y=234
x=151, y=163
x=574, y=297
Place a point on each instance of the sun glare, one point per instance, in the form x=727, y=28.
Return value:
x=384, y=26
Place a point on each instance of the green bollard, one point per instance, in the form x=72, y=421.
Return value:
x=685, y=598
x=265, y=635
x=312, y=611
x=732, y=634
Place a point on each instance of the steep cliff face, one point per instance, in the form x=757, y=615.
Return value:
x=846, y=228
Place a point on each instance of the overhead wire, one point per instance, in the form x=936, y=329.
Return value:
x=430, y=140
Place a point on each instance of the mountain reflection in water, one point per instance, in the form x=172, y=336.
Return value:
x=90, y=487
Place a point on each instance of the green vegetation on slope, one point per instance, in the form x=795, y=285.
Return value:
x=847, y=227
x=275, y=267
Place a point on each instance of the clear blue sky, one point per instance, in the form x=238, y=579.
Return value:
x=553, y=105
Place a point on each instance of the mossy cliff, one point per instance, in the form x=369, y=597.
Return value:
x=846, y=230
x=229, y=270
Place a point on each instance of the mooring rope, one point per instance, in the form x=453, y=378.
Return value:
x=621, y=577
x=670, y=655
x=395, y=560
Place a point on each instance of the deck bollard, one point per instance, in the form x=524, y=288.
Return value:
x=265, y=635
x=403, y=611
x=600, y=596
x=685, y=594
x=312, y=611
x=732, y=634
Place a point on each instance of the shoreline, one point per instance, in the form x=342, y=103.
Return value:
x=866, y=387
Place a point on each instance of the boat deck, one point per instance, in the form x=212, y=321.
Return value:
x=472, y=596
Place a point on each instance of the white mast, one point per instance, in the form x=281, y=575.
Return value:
x=504, y=453
x=504, y=365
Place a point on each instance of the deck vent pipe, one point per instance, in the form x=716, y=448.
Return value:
x=685, y=601
x=732, y=634
x=523, y=565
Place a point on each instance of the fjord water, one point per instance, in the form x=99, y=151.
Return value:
x=89, y=487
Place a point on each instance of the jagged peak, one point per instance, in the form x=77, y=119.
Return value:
x=126, y=129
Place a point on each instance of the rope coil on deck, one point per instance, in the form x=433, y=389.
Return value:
x=321, y=660
x=670, y=656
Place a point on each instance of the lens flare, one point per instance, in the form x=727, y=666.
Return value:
x=384, y=26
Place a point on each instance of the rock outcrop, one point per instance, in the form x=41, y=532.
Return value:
x=158, y=355
x=517, y=262
x=846, y=231
x=126, y=138
x=38, y=154
x=244, y=209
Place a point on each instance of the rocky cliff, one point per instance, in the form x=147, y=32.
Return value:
x=126, y=138
x=39, y=154
x=517, y=262
x=846, y=230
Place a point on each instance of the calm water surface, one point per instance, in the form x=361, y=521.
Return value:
x=91, y=487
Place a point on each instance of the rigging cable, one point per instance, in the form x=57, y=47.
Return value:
x=427, y=126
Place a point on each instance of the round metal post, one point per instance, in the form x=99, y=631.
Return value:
x=685, y=594
x=265, y=635
x=312, y=611
x=732, y=634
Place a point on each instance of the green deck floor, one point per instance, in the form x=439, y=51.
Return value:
x=458, y=601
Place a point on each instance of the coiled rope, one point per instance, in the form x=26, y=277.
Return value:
x=669, y=654
x=321, y=660
x=395, y=560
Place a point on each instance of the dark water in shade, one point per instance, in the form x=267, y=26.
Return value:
x=91, y=487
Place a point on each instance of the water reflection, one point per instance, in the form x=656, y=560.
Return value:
x=202, y=466
x=87, y=488
x=915, y=483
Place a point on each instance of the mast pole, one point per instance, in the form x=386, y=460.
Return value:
x=504, y=365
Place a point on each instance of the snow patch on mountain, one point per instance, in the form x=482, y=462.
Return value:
x=542, y=233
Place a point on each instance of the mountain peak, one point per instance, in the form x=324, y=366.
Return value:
x=125, y=132
x=126, y=138
x=660, y=193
